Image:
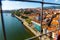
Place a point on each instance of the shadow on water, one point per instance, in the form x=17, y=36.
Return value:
x=1, y=31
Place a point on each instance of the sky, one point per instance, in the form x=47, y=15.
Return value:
x=55, y=1
x=11, y=5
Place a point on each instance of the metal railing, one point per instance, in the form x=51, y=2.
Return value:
x=3, y=26
x=41, y=35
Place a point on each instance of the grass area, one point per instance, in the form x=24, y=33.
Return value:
x=28, y=21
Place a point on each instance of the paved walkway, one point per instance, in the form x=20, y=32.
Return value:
x=45, y=37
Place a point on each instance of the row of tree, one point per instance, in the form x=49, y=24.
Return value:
x=19, y=13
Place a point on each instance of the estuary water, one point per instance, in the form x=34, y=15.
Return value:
x=14, y=28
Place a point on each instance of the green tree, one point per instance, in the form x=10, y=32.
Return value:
x=27, y=12
x=28, y=21
x=16, y=13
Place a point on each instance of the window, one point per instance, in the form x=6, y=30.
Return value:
x=28, y=11
x=40, y=18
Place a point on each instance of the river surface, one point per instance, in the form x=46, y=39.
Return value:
x=15, y=30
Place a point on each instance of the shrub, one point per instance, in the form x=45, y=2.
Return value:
x=28, y=21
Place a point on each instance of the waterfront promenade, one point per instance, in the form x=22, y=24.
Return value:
x=28, y=27
x=36, y=33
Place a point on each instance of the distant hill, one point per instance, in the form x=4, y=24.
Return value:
x=7, y=11
x=52, y=7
